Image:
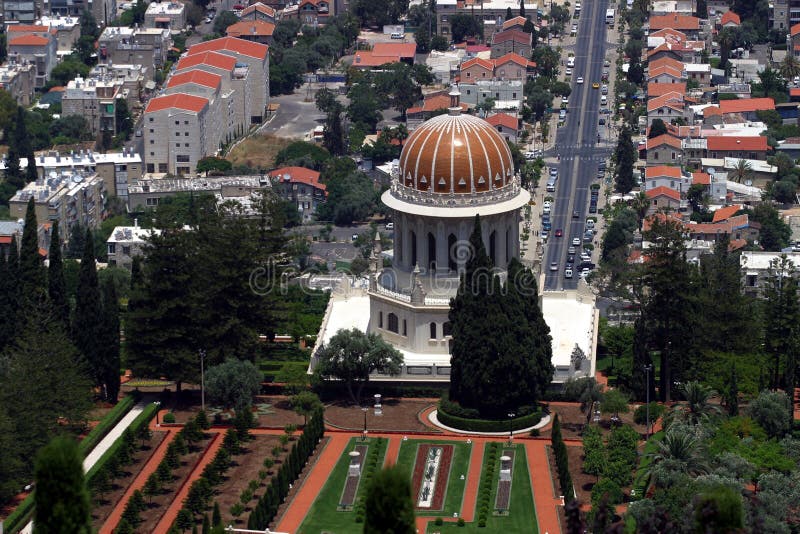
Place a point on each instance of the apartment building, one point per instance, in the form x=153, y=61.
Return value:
x=234, y=77
x=127, y=242
x=116, y=169
x=507, y=94
x=507, y=67
x=68, y=31
x=511, y=41
x=165, y=15
x=301, y=187
x=19, y=81
x=259, y=11
x=148, y=193
x=209, y=86
x=508, y=126
x=36, y=45
x=22, y=11
x=179, y=130
x=134, y=46
x=95, y=100
x=256, y=57
x=131, y=78
x=256, y=31
x=69, y=198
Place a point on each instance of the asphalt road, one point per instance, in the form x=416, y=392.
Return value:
x=576, y=142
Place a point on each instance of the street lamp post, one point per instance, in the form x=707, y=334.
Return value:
x=365, y=410
x=158, y=404
x=202, y=380
x=511, y=416
x=647, y=369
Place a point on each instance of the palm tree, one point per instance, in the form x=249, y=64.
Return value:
x=697, y=402
x=790, y=67
x=678, y=452
x=742, y=172
x=640, y=204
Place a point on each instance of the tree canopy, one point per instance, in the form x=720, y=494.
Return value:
x=233, y=383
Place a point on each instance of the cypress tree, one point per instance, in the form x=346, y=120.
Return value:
x=733, y=394
x=7, y=307
x=389, y=506
x=109, y=341
x=206, y=525
x=86, y=326
x=56, y=284
x=61, y=498
x=14, y=176
x=31, y=174
x=216, y=516
x=31, y=272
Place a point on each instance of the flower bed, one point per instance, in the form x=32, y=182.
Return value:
x=442, y=476
x=351, y=483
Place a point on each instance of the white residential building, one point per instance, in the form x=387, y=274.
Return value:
x=169, y=15
x=127, y=242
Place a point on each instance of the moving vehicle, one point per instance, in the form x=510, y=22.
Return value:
x=559, y=232
x=554, y=266
x=576, y=241
x=568, y=273
x=580, y=80
x=576, y=214
x=571, y=250
x=595, y=85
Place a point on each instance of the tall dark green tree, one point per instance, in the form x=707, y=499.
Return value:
x=513, y=348
x=626, y=157
x=31, y=271
x=110, y=342
x=781, y=322
x=389, y=506
x=8, y=302
x=61, y=498
x=728, y=314
x=86, y=324
x=56, y=284
x=667, y=305
x=14, y=175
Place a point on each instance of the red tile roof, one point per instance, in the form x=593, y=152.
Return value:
x=476, y=49
x=794, y=92
x=258, y=6
x=665, y=62
x=665, y=69
x=214, y=59
x=516, y=21
x=298, y=174
x=662, y=170
x=434, y=103
x=512, y=35
x=674, y=21
x=754, y=143
x=488, y=65
x=795, y=30
x=658, y=89
x=746, y=104
x=672, y=99
x=670, y=35
x=179, y=101
x=664, y=139
x=245, y=28
x=365, y=58
x=29, y=40
x=730, y=16
x=504, y=119
x=663, y=191
x=725, y=213
x=647, y=224
x=403, y=50
x=513, y=58
x=701, y=178
x=12, y=28
x=196, y=76
x=232, y=44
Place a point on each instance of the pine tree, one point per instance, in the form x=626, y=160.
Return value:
x=77, y=242
x=8, y=304
x=216, y=516
x=388, y=506
x=56, y=284
x=61, y=498
x=109, y=342
x=14, y=176
x=86, y=326
x=31, y=272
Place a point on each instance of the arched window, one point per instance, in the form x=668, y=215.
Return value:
x=380, y=319
x=433, y=330
x=452, y=244
x=447, y=329
x=413, y=249
x=431, y=252
x=393, y=323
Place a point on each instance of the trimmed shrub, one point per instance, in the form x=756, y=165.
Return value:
x=640, y=414
x=169, y=418
x=487, y=425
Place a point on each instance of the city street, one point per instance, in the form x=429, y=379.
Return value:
x=576, y=142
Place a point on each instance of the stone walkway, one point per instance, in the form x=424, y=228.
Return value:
x=103, y=446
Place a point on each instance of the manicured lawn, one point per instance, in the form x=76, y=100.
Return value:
x=459, y=466
x=323, y=516
x=521, y=516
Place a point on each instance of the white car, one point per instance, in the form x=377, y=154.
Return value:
x=546, y=210
x=585, y=256
x=580, y=79
x=568, y=273
x=584, y=273
x=565, y=100
x=576, y=241
x=390, y=226
x=568, y=72
x=554, y=266
x=547, y=204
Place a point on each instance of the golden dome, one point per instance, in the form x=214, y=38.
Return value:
x=455, y=153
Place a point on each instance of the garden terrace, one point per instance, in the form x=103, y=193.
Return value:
x=451, y=479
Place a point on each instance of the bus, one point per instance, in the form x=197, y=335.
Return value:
x=610, y=16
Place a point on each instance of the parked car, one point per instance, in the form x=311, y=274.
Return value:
x=568, y=273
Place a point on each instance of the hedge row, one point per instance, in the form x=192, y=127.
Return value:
x=487, y=482
x=374, y=454
x=143, y=419
x=267, y=507
x=107, y=423
x=23, y=513
x=562, y=462
x=486, y=425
